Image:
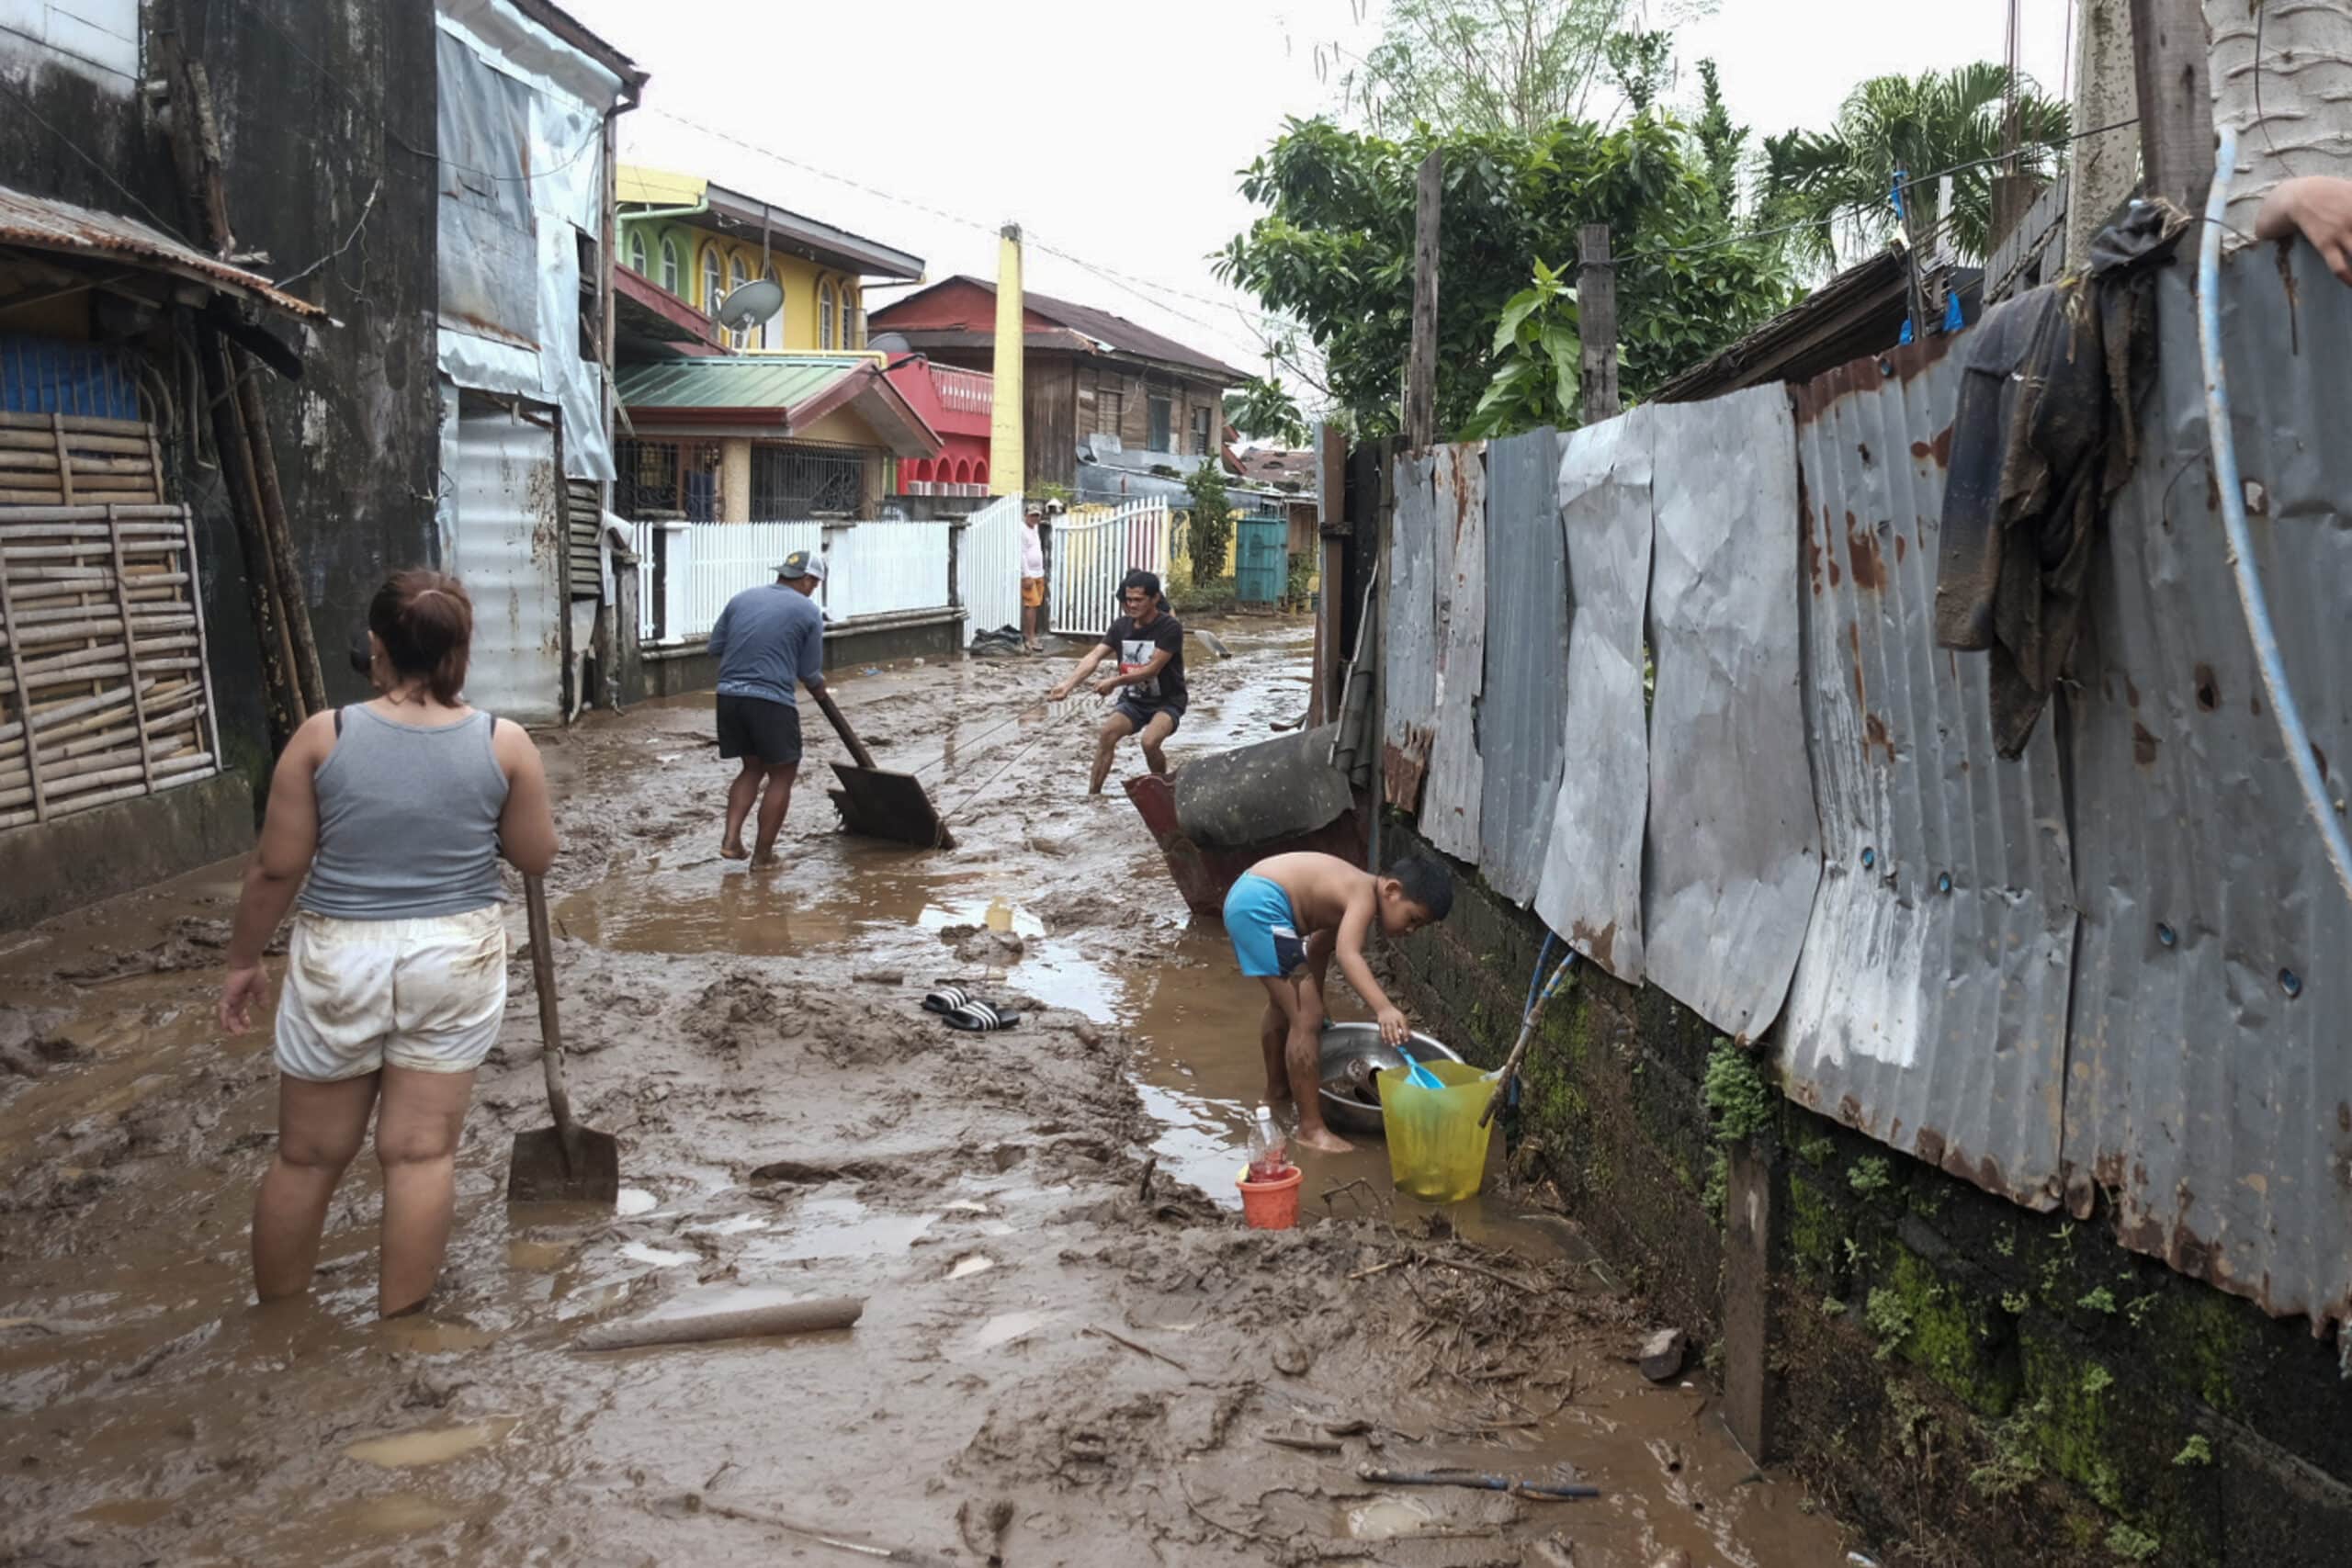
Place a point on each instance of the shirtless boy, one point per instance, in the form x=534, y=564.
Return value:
x=1288, y=917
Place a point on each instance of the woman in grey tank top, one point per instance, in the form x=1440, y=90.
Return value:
x=396, y=811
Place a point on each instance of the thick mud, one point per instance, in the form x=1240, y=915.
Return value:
x=1071, y=1352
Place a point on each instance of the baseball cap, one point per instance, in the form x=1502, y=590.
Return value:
x=1033, y=509
x=802, y=563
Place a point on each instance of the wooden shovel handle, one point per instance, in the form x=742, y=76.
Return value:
x=857, y=751
x=535, y=899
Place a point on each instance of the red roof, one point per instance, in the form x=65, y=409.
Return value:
x=964, y=306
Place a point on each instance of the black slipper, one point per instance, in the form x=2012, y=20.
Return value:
x=947, y=1000
x=979, y=1017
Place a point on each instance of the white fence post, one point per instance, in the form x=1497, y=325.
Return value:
x=989, y=567
x=1090, y=559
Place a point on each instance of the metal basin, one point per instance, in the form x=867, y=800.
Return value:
x=1344, y=1043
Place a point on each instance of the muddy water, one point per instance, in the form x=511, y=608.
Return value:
x=1041, y=1336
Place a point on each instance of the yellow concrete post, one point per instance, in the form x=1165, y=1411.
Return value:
x=735, y=481
x=1005, y=477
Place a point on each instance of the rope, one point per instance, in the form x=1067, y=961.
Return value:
x=1050, y=727
x=1018, y=714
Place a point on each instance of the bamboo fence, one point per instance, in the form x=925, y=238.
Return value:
x=104, y=691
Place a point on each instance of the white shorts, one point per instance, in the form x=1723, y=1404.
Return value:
x=427, y=994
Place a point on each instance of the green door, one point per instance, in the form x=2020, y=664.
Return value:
x=1262, y=569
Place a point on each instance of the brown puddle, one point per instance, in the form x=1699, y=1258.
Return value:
x=1036, y=1332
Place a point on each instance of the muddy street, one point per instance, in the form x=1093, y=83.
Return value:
x=1071, y=1352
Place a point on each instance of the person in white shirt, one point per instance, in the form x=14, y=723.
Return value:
x=1033, y=581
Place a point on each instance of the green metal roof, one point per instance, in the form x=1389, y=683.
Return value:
x=744, y=381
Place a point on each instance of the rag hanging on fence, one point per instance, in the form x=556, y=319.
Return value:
x=2045, y=436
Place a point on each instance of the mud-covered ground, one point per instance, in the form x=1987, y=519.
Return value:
x=1071, y=1352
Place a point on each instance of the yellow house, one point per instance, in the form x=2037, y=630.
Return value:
x=701, y=241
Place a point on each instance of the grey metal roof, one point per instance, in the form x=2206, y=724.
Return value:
x=2209, y=1091
x=1930, y=1007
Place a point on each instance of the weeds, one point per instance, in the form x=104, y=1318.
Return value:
x=1889, y=1317
x=2132, y=1544
x=1869, y=1175
x=2099, y=1299
x=2014, y=1463
x=2196, y=1451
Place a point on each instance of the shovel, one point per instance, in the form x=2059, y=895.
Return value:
x=878, y=803
x=566, y=1163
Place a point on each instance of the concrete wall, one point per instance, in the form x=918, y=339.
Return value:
x=1984, y=1384
x=97, y=854
x=928, y=634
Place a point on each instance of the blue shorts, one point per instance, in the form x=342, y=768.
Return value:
x=1265, y=933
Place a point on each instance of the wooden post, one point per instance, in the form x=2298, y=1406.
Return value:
x=309, y=681
x=1597, y=321
x=2171, y=59
x=1421, y=369
x=281, y=697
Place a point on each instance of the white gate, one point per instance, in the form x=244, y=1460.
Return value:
x=989, y=567
x=884, y=568
x=505, y=541
x=1092, y=555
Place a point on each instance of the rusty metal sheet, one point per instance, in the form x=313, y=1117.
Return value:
x=1734, y=856
x=1522, y=716
x=1450, y=804
x=1591, y=891
x=44, y=223
x=2210, y=1091
x=1929, y=1005
x=1409, y=685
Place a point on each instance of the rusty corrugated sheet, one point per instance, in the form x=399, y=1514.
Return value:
x=2210, y=1089
x=1734, y=855
x=1409, y=687
x=1930, y=1007
x=1522, y=719
x=1450, y=804
x=46, y=224
x=1592, y=888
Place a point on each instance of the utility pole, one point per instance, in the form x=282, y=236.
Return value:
x=2104, y=167
x=1007, y=452
x=1597, y=322
x=2172, y=62
x=1420, y=368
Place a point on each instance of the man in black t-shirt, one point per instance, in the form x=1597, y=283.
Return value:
x=1148, y=644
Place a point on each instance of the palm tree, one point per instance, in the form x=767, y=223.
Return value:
x=1839, y=182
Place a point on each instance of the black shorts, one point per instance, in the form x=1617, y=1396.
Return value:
x=755, y=726
x=1139, y=713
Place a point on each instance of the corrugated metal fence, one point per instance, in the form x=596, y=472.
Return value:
x=2127, y=976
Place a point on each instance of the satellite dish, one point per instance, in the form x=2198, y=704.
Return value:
x=749, y=305
x=889, y=342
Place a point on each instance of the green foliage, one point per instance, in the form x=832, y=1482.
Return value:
x=1211, y=534
x=1715, y=1197
x=1913, y=1418
x=1832, y=1307
x=2097, y=1379
x=1889, y=1316
x=1333, y=251
x=1486, y=64
x=1263, y=410
x=1722, y=143
x=2015, y=1462
x=2005, y=1244
x=1049, y=492
x=2196, y=1451
x=1818, y=1150
x=1739, y=1097
x=2099, y=1299
x=2132, y=1544
x=1538, y=361
x=1838, y=181
x=2014, y=1303
x=1639, y=63
x=1302, y=575
x=2140, y=1307
x=1870, y=1174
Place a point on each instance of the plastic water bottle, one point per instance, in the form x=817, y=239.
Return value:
x=1269, y=1149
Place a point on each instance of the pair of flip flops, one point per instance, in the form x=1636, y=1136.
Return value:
x=961, y=1009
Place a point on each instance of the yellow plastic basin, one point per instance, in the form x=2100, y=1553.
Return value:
x=1437, y=1151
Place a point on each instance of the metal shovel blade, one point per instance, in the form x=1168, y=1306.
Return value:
x=542, y=1170
x=889, y=806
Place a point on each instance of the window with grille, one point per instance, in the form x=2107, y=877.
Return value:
x=1108, y=406
x=1200, y=433
x=741, y=272
x=714, y=280
x=657, y=481
x=849, y=318
x=789, y=481
x=637, y=253
x=825, y=317
x=771, y=329
x=670, y=264
x=1161, y=438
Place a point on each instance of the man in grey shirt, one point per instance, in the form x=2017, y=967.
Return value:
x=767, y=639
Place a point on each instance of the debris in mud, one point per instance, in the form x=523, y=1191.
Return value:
x=196, y=942
x=1662, y=1355
x=1291, y=1358
x=983, y=1529
x=809, y=1173
x=880, y=978
x=995, y=950
x=30, y=1045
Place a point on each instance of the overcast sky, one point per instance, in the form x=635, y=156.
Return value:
x=1112, y=132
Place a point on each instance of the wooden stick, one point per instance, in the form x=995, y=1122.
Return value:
x=1421, y=372
x=1138, y=1349
x=806, y=1532
x=16, y=672
x=750, y=1323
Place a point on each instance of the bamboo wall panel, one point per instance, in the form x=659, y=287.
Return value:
x=104, y=691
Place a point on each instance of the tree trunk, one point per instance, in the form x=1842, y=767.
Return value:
x=2303, y=121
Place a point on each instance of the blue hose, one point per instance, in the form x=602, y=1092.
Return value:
x=2251, y=598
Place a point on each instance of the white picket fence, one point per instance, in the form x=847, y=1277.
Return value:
x=989, y=567
x=1091, y=554
x=884, y=568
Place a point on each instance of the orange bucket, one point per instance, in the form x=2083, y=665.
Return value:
x=1270, y=1205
